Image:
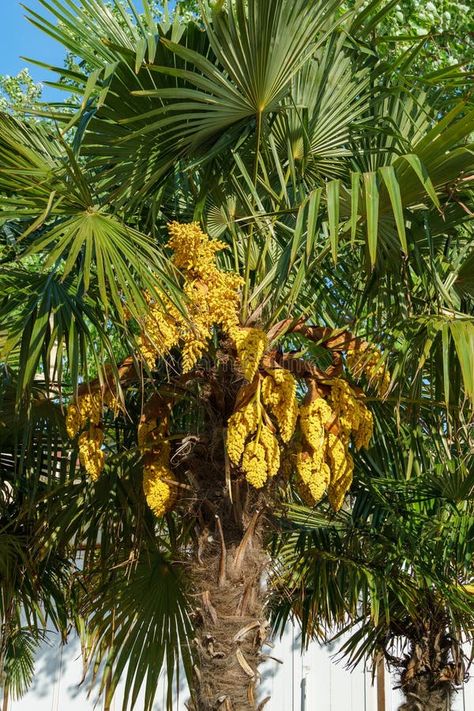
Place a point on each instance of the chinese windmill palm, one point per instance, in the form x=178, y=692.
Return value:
x=223, y=473
x=230, y=370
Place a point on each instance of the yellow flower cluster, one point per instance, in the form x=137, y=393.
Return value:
x=242, y=423
x=261, y=455
x=366, y=428
x=314, y=475
x=88, y=407
x=324, y=461
x=212, y=299
x=193, y=251
x=158, y=479
x=91, y=455
x=88, y=410
x=73, y=420
x=213, y=294
x=353, y=415
x=261, y=458
x=367, y=360
x=160, y=330
x=279, y=395
x=313, y=418
x=251, y=344
x=342, y=469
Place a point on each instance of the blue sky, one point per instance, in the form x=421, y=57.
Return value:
x=21, y=38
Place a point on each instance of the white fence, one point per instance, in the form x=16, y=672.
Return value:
x=312, y=681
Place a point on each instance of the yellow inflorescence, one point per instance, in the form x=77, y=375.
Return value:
x=158, y=483
x=73, y=420
x=313, y=472
x=160, y=330
x=193, y=251
x=345, y=406
x=367, y=360
x=366, y=427
x=254, y=464
x=91, y=455
x=279, y=395
x=251, y=344
x=212, y=299
x=261, y=458
x=272, y=450
x=90, y=407
x=213, y=294
x=313, y=418
x=87, y=408
x=353, y=415
x=342, y=468
x=314, y=475
x=241, y=425
x=324, y=461
x=158, y=479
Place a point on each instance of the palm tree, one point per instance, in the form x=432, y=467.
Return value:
x=210, y=374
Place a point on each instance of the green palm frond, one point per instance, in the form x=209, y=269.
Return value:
x=140, y=627
x=19, y=660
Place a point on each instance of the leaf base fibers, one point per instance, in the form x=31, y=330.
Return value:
x=230, y=623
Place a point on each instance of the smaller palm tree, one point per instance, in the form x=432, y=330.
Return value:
x=402, y=575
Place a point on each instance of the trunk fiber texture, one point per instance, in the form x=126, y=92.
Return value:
x=423, y=695
x=227, y=574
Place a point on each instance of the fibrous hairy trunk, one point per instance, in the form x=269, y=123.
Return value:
x=227, y=574
x=434, y=666
x=423, y=695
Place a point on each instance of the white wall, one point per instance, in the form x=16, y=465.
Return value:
x=329, y=687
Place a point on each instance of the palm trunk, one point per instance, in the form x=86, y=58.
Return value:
x=434, y=666
x=227, y=573
x=422, y=694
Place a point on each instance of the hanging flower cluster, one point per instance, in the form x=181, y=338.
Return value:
x=313, y=471
x=251, y=435
x=86, y=411
x=212, y=300
x=261, y=457
x=84, y=415
x=159, y=482
x=251, y=344
x=279, y=396
x=328, y=426
x=160, y=329
x=91, y=455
